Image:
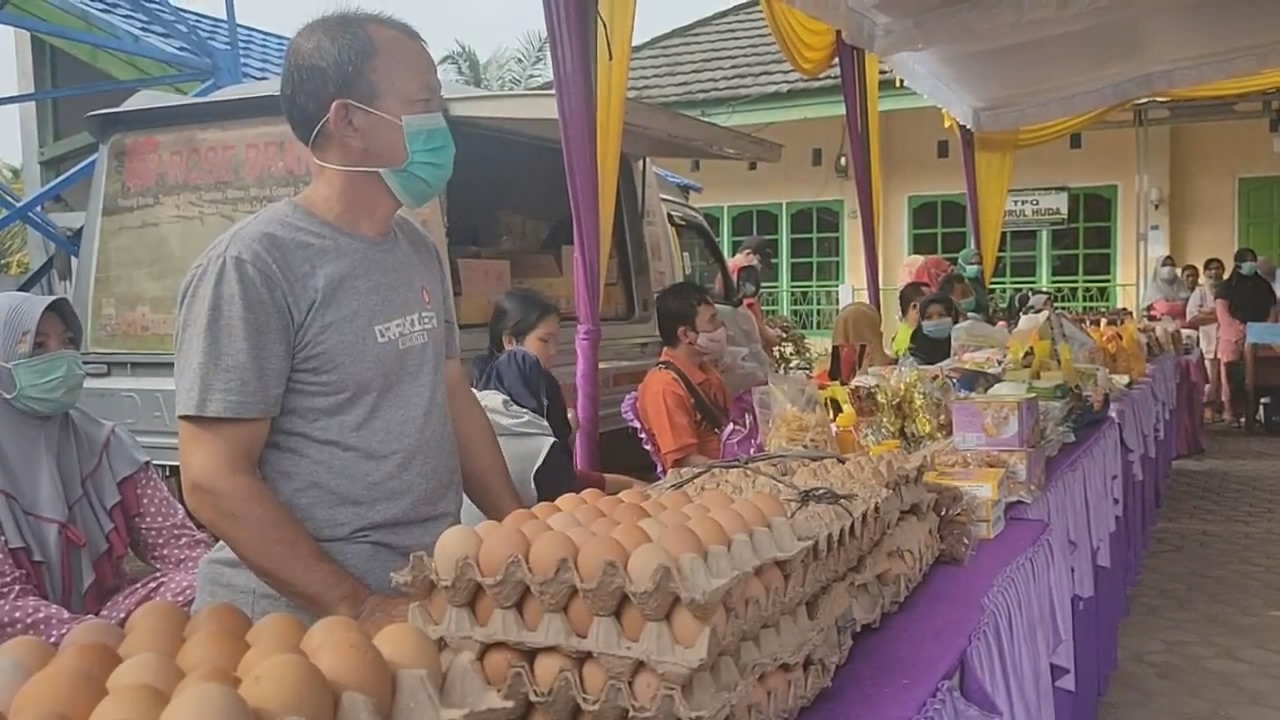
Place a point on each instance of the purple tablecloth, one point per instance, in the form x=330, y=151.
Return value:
x=961, y=648
x=972, y=619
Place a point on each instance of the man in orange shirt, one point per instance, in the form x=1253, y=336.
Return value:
x=682, y=403
x=755, y=252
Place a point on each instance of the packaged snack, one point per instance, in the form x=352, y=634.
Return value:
x=797, y=416
x=996, y=422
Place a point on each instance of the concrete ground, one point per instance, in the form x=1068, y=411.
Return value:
x=1202, y=641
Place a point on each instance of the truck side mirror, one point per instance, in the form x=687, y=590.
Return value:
x=749, y=281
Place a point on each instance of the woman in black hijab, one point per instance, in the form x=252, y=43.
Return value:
x=931, y=340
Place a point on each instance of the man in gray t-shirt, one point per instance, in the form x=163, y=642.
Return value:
x=326, y=426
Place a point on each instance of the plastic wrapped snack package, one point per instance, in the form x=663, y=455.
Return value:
x=955, y=524
x=975, y=336
x=797, y=416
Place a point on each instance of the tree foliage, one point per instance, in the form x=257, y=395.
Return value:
x=522, y=66
x=13, y=239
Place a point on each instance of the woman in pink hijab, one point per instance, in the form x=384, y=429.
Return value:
x=77, y=493
x=929, y=270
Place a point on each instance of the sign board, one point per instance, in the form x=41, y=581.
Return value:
x=1036, y=208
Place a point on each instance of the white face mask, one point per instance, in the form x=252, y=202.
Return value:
x=1168, y=274
x=713, y=343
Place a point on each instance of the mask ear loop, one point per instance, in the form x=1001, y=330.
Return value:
x=344, y=168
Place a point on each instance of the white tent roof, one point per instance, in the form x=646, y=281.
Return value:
x=1002, y=64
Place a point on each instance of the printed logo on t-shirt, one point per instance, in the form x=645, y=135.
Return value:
x=408, y=331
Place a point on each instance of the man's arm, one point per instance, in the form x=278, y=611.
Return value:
x=220, y=482
x=485, y=477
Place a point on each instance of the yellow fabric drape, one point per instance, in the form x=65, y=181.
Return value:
x=873, y=139
x=1247, y=85
x=614, y=28
x=808, y=44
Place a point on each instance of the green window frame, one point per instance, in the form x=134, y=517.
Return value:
x=1077, y=260
x=808, y=239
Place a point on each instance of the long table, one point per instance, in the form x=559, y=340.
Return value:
x=1028, y=628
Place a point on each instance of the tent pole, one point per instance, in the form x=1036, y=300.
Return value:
x=1142, y=243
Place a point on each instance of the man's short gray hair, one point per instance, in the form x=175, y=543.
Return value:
x=330, y=59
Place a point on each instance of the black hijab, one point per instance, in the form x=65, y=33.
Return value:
x=924, y=349
x=1250, y=298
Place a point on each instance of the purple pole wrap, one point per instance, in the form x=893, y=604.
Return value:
x=853, y=83
x=570, y=28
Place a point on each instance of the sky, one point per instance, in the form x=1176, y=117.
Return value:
x=479, y=24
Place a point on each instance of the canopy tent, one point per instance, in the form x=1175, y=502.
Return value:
x=1024, y=72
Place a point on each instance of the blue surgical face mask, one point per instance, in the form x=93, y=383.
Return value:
x=45, y=385
x=1248, y=267
x=972, y=271
x=428, y=164
x=938, y=328
x=968, y=304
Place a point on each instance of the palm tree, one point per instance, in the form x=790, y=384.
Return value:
x=524, y=66
x=13, y=239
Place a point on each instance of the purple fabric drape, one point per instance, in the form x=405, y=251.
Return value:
x=968, y=159
x=853, y=83
x=570, y=29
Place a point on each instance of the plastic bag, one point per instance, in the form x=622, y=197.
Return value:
x=741, y=436
x=744, y=363
x=797, y=416
x=974, y=335
x=955, y=524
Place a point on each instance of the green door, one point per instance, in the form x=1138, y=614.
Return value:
x=1259, y=215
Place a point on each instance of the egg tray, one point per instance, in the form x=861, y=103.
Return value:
x=708, y=694
x=699, y=583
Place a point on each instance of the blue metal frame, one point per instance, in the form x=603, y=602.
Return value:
x=216, y=67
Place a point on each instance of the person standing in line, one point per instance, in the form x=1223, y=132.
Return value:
x=1244, y=297
x=1166, y=294
x=970, y=265
x=326, y=426
x=909, y=298
x=1191, y=277
x=1202, y=317
x=755, y=252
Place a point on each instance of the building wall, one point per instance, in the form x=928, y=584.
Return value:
x=1195, y=167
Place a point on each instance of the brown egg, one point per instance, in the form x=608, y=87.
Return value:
x=160, y=638
x=132, y=702
x=405, y=647
x=518, y=517
x=157, y=612
x=94, y=661
x=629, y=513
x=570, y=502
x=776, y=683
x=594, y=677
x=592, y=495
x=593, y=556
x=212, y=648
x=720, y=622
x=675, y=499
x=207, y=700
x=631, y=620
x=694, y=510
x=151, y=669
x=326, y=629
x=643, y=564
x=673, y=517
x=486, y=528
x=531, y=611
x=709, y=532
x=680, y=540
x=770, y=505
x=58, y=688
x=578, y=615
x=654, y=507
x=482, y=606
x=715, y=499
x=549, y=551
x=352, y=664
x=30, y=650
x=631, y=536
x=751, y=513
x=456, y=545
x=548, y=665
x=652, y=527
x=686, y=628
x=437, y=605
x=645, y=685
x=563, y=521
x=498, y=661
x=729, y=519
x=633, y=495
x=256, y=654
x=544, y=510
x=603, y=526
x=225, y=617
x=204, y=676
x=93, y=631
x=608, y=504
x=580, y=536
x=587, y=514
x=280, y=629
x=534, y=529
x=505, y=543
x=287, y=685
x=771, y=577
x=753, y=592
